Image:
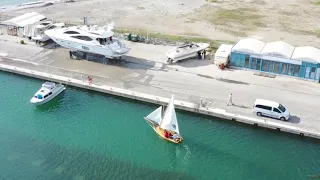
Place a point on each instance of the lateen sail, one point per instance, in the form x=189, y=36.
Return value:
x=155, y=116
x=169, y=120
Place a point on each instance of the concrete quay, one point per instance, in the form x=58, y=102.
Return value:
x=143, y=75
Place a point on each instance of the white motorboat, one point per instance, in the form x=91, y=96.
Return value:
x=38, y=31
x=90, y=39
x=48, y=91
x=186, y=51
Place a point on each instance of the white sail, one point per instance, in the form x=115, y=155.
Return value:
x=169, y=120
x=155, y=116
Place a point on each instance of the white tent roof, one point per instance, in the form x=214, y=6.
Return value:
x=278, y=49
x=307, y=53
x=251, y=46
x=25, y=19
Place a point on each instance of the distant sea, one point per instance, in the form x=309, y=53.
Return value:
x=14, y=2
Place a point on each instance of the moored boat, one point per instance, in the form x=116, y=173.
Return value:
x=165, y=124
x=47, y=92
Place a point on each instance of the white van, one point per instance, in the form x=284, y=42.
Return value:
x=272, y=109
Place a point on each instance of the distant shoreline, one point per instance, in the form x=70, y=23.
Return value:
x=27, y=5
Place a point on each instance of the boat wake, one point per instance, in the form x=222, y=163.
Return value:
x=188, y=153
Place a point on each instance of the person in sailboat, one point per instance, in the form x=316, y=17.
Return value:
x=175, y=136
x=166, y=134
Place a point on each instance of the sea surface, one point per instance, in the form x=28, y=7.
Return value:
x=84, y=135
x=14, y=2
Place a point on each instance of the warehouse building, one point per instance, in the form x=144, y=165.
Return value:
x=277, y=57
x=21, y=25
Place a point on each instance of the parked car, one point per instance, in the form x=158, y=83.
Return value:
x=271, y=109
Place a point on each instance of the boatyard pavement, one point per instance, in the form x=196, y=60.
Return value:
x=145, y=70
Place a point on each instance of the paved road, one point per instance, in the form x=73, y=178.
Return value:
x=144, y=70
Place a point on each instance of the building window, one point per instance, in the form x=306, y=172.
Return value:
x=307, y=72
x=265, y=65
x=233, y=59
x=296, y=70
x=253, y=63
x=284, y=68
x=270, y=66
x=318, y=73
x=313, y=73
x=276, y=67
x=247, y=61
x=258, y=64
x=290, y=69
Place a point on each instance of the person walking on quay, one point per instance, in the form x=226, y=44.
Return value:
x=230, y=100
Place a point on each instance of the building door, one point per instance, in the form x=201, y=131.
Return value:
x=307, y=75
x=296, y=70
x=318, y=73
x=258, y=64
x=253, y=63
x=276, y=67
x=284, y=69
x=313, y=73
x=271, y=66
x=238, y=62
x=247, y=61
x=265, y=65
x=290, y=69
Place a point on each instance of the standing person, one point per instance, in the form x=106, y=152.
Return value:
x=199, y=54
x=70, y=54
x=89, y=80
x=230, y=100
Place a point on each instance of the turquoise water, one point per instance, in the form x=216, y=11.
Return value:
x=14, y=2
x=86, y=135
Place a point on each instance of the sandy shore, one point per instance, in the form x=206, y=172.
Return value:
x=294, y=21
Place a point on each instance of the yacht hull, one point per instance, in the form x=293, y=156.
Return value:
x=43, y=38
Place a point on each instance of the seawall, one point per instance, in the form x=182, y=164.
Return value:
x=187, y=106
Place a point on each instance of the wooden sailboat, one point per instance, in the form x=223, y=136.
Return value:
x=165, y=125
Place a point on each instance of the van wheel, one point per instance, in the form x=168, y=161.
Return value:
x=259, y=114
x=283, y=119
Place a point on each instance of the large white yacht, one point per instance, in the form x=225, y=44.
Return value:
x=38, y=31
x=48, y=91
x=91, y=39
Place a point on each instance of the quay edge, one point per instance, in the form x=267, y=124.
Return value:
x=187, y=106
